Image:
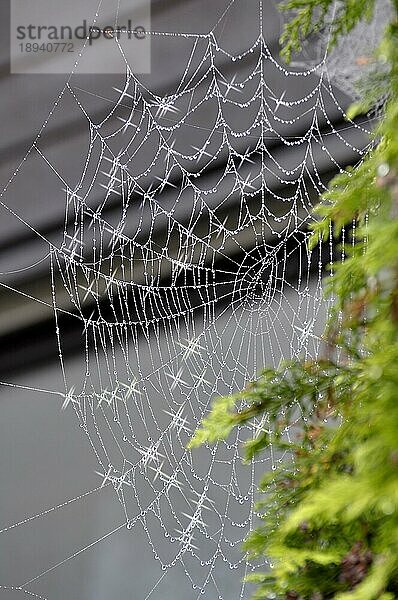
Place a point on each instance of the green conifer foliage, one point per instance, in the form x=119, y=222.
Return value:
x=330, y=524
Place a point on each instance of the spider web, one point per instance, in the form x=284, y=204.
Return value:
x=197, y=278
